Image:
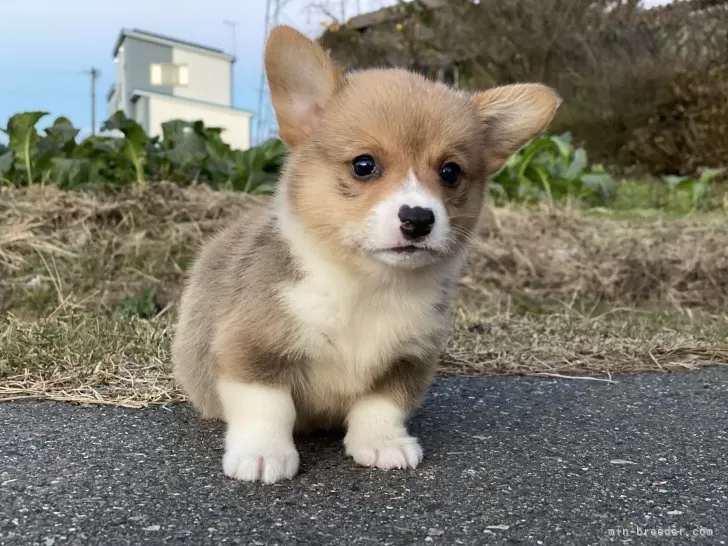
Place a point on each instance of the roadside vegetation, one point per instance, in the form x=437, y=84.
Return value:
x=89, y=281
x=603, y=248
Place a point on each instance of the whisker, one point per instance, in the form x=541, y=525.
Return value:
x=468, y=216
x=465, y=232
x=446, y=201
x=466, y=237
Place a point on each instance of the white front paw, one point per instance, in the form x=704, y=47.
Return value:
x=386, y=453
x=255, y=459
x=265, y=466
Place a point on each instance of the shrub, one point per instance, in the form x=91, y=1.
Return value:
x=550, y=168
x=688, y=125
x=186, y=153
x=637, y=82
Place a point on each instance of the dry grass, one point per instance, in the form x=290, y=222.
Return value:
x=564, y=256
x=89, y=282
x=86, y=358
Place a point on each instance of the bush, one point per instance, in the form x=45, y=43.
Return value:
x=688, y=125
x=635, y=81
x=186, y=153
x=550, y=168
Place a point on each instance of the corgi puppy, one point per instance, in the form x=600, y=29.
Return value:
x=332, y=307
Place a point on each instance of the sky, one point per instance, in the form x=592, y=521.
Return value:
x=47, y=46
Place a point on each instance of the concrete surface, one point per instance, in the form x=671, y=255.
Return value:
x=507, y=460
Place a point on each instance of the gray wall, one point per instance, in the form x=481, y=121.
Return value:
x=138, y=56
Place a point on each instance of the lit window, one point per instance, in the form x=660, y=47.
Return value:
x=183, y=75
x=169, y=74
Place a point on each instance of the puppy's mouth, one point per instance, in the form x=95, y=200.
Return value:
x=408, y=249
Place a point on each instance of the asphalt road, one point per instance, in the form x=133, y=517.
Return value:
x=514, y=460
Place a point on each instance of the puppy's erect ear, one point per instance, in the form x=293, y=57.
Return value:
x=514, y=114
x=301, y=79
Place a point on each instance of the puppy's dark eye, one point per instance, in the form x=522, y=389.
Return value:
x=450, y=173
x=364, y=167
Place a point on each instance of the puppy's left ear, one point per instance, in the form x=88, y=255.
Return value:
x=513, y=115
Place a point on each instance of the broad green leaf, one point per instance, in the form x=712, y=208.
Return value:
x=567, y=138
x=59, y=140
x=577, y=166
x=216, y=147
x=533, y=149
x=94, y=146
x=497, y=190
x=685, y=184
x=543, y=180
x=6, y=163
x=526, y=190
x=189, y=150
x=275, y=151
x=22, y=137
x=598, y=185
x=185, y=148
x=564, y=148
x=266, y=188
x=134, y=147
x=674, y=180
x=105, y=159
x=708, y=175
x=71, y=172
x=63, y=134
x=699, y=190
x=596, y=179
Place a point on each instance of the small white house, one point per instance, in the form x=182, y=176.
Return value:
x=159, y=79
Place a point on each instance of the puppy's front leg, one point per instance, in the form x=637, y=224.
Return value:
x=376, y=435
x=376, y=432
x=259, y=439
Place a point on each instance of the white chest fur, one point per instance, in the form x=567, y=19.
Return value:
x=352, y=330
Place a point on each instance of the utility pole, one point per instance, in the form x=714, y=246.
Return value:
x=95, y=73
x=233, y=50
x=266, y=117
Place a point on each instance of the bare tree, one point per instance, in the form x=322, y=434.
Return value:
x=334, y=11
x=614, y=61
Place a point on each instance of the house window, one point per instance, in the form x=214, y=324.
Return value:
x=169, y=74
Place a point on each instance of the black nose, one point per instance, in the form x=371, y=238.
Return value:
x=416, y=221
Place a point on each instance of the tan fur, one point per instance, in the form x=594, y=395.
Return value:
x=375, y=112
x=291, y=299
x=510, y=114
x=309, y=73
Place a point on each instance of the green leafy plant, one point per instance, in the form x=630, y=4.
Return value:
x=550, y=168
x=187, y=152
x=142, y=305
x=134, y=144
x=6, y=162
x=258, y=168
x=23, y=138
x=695, y=192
